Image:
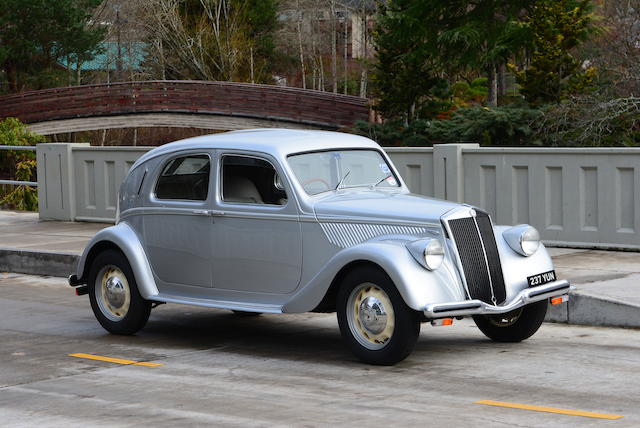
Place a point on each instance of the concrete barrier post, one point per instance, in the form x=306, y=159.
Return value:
x=56, y=190
x=448, y=171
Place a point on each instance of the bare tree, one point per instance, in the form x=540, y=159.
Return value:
x=212, y=46
x=334, y=51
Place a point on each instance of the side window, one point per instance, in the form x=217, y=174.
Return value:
x=185, y=178
x=250, y=180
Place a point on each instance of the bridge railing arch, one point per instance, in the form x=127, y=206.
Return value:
x=240, y=100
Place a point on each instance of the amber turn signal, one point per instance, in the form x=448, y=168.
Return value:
x=560, y=299
x=442, y=321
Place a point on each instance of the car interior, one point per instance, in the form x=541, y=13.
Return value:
x=251, y=180
x=185, y=178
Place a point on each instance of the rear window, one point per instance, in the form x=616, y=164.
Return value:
x=185, y=178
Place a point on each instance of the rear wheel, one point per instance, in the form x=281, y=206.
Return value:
x=374, y=320
x=514, y=326
x=114, y=295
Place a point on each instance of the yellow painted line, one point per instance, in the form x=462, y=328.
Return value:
x=548, y=409
x=114, y=360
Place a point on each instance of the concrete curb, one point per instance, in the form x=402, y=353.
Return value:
x=38, y=262
x=585, y=309
x=582, y=308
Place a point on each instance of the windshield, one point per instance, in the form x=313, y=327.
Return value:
x=320, y=172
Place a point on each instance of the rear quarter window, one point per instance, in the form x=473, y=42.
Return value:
x=184, y=178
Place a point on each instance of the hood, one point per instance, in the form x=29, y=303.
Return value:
x=382, y=206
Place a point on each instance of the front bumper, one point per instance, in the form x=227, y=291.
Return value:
x=478, y=307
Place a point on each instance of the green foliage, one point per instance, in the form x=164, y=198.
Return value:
x=37, y=34
x=557, y=27
x=404, y=78
x=504, y=126
x=20, y=164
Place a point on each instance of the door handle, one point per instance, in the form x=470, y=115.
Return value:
x=211, y=213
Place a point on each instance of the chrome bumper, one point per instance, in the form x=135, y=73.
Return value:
x=478, y=307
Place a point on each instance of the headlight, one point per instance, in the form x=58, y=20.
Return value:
x=428, y=252
x=523, y=239
x=433, y=254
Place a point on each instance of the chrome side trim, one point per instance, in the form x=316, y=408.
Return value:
x=478, y=307
x=346, y=235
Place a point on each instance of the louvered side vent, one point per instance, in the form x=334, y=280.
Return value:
x=483, y=275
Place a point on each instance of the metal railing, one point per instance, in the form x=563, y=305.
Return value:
x=17, y=182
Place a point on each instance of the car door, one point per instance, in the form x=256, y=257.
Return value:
x=257, y=239
x=177, y=224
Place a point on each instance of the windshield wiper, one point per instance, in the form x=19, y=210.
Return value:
x=342, y=180
x=381, y=180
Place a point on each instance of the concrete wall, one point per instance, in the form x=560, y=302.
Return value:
x=77, y=182
x=575, y=197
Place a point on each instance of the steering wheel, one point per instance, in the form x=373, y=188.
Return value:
x=313, y=180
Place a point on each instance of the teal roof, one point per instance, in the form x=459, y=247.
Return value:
x=133, y=54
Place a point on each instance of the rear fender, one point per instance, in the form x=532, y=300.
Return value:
x=124, y=238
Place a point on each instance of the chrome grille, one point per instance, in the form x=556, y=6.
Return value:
x=478, y=252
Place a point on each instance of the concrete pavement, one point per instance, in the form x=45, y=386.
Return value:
x=608, y=282
x=218, y=369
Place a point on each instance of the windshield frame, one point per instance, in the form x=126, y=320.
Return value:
x=392, y=171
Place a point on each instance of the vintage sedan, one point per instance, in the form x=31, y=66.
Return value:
x=286, y=221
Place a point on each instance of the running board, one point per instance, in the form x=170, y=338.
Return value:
x=219, y=304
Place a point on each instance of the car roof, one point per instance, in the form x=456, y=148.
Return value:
x=274, y=141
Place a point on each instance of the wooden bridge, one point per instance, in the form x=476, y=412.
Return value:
x=183, y=104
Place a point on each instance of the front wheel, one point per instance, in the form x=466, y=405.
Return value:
x=114, y=295
x=514, y=326
x=374, y=320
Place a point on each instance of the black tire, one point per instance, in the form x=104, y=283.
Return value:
x=514, y=326
x=406, y=328
x=246, y=313
x=138, y=311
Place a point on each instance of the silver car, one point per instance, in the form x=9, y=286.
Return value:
x=284, y=221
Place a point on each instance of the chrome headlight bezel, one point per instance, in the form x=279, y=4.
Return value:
x=428, y=252
x=523, y=239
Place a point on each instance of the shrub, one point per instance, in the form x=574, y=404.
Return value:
x=19, y=164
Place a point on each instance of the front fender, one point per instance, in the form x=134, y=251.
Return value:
x=417, y=285
x=126, y=239
x=516, y=267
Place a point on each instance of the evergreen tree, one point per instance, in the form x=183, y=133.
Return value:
x=405, y=81
x=35, y=35
x=557, y=27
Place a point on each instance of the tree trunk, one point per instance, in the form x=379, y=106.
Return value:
x=346, y=77
x=334, y=50
x=363, y=52
x=299, y=24
x=502, y=81
x=492, y=83
x=12, y=77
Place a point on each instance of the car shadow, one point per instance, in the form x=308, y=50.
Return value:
x=300, y=337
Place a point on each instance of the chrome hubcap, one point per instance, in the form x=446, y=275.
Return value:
x=113, y=294
x=370, y=316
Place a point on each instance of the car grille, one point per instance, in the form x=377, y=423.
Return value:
x=483, y=275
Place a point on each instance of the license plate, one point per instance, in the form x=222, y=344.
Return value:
x=541, y=278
